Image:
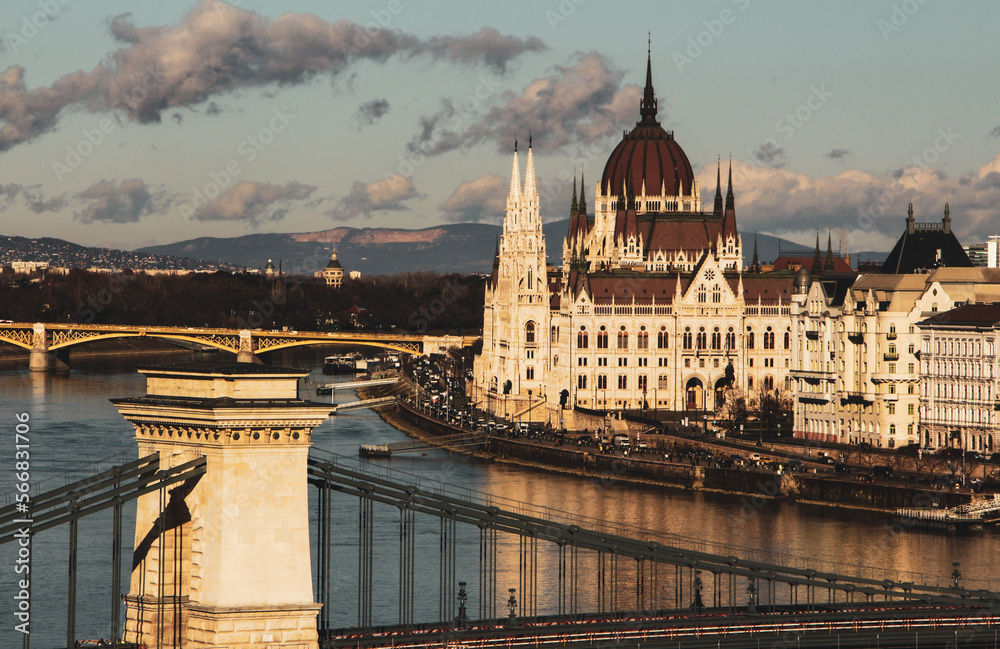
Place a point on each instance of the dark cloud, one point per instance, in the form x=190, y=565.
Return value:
x=370, y=112
x=482, y=199
x=218, y=48
x=31, y=196
x=382, y=195
x=770, y=154
x=837, y=154
x=116, y=202
x=254, y=202
x=995, y=132
x=487, y=46
x=213, y=109
x=576, y=104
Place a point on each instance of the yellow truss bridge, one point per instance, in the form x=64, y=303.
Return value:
x=43, y=339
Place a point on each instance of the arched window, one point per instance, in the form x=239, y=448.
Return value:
x=529, y=332
x=602, y=339
x=662, y=338
x=702, y=339
x=749, y=339
x=716, y=294
x=642, y=339
x=582, y=341
x=622, y=382
x=788, y=340
x=642, y=384
x=716, y=339
x=768, y=339
x=731, y=339
x=602, y=381
x=686, y=340
x=581, y=382
x=529, y=373
x=662, y=383
x=702, y=294
x=768, y=382
x=623, y=339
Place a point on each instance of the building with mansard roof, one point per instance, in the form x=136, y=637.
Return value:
x=651, y=307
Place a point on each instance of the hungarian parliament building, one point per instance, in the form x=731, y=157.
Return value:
x=652, y=308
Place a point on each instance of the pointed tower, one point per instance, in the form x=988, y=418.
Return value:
x=755, y=267
x=817, y=265
x=911, y=225
x=828, y=264
x=947, y=220
x=718, y=190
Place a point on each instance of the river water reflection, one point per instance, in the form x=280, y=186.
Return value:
x=75, y=431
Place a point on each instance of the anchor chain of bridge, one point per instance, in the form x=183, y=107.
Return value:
x=43, y=339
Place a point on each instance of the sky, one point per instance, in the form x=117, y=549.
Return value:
x=126, y=124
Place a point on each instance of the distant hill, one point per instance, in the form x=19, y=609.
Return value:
x=460, y=247
x=65, y=254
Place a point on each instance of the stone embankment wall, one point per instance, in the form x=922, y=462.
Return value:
x=758, y=486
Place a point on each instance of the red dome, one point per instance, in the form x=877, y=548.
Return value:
x=648, y=153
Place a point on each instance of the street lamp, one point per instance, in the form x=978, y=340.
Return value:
x=463, y=619
x=705, y=416
x=530, y=405
x=511, y=604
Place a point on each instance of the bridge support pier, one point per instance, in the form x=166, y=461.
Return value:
x=245, y=355
x=224, y=561
x=42, y=360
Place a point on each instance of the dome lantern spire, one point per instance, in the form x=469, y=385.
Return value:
x=647, y=107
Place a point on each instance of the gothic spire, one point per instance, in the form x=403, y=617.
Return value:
x=828, y=265
x=730, y=200
x=718, y=189
x=573, y=205
x=755, y=266
x=529, y=177
x=515, y=180
x=647, y=107
x=817, y=265
x=583, y=195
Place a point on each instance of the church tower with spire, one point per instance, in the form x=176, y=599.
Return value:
x=516, y=319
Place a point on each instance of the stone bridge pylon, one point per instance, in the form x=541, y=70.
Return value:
x=223, y=560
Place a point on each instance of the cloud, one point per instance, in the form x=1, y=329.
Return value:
x=254, y=202
x=770, y=154
x=871, y=207
x=837, y=154
x=482, y=199
x=123, y=201
x=995, y=132
x=382, y=195
x=31, y=196
x=370, y=112
x=487, y=46
x=218, y=48
x=575, y=105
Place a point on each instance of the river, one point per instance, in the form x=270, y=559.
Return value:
x=75, y=431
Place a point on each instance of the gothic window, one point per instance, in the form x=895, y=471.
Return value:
x=702, y=294
x=581, y=382
x=702, y=339
x=749, y=338
x=602, y=339
x=768, y=339
x=530, y=277
x=716, y=339
x=529, y=373
x=602, y=381
x=731, y=339
x=662, y=338
x=642, y=339
x=642, y=384
x=788, y=340
x=768, y=382
x=716, y=294
x=623, y=339
x=582, y=341
x=662, y=383
x=687, y=338
x=622, y=382
x=529, y=332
